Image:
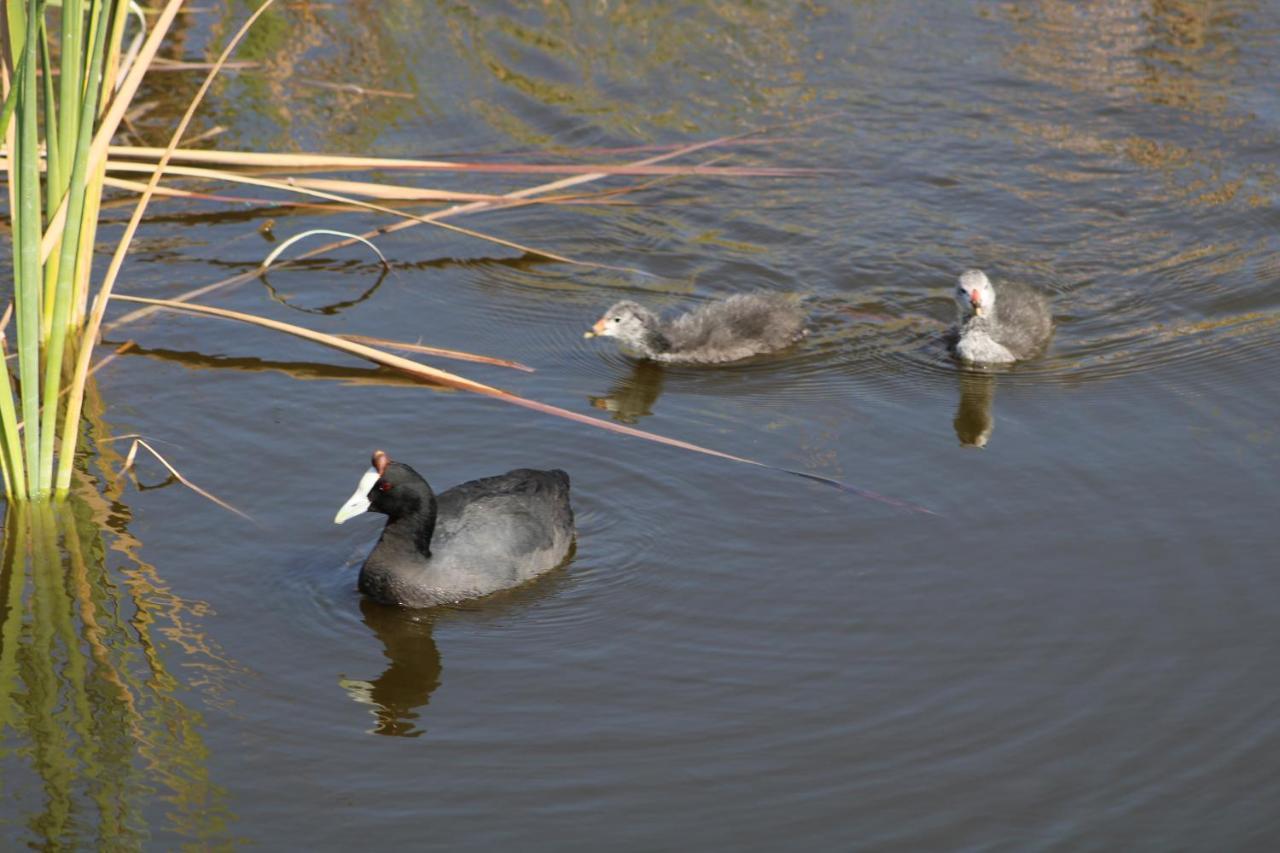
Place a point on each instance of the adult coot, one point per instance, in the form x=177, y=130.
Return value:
x=474, y=539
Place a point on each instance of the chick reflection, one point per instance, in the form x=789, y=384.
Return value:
x=632, y=397
x=974, y=420
x=410, y=677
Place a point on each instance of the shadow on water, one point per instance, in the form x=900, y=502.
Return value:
x=975, y=420
x=305, y=371
x=412, y=673
x=632, y=397
x=414, y=668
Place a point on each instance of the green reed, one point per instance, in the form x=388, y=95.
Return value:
x=54, y=193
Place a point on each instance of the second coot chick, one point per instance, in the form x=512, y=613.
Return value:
x=999, y=326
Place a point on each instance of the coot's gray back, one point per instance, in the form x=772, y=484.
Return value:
x=500, y=531
x=1023, y=319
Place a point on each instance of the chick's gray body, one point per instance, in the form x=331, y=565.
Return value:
x=1015, y=321
x=731, y=329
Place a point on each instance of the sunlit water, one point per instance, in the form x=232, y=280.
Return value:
x=1077, y=651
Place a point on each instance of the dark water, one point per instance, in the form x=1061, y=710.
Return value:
x=1077, y=652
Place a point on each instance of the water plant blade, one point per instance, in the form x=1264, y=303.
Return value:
x=138, y=441
x=27, y=279
x=331, y=162
x=125, y=91
x=75, y=402
x=457, y=355
x=293, y=187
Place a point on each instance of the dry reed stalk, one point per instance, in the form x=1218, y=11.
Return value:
x=346, y=163
x=292, y=187
x=512, y=199
x=138, y=441
x=443, y=377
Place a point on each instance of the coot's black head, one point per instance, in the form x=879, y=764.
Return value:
x=391, y=488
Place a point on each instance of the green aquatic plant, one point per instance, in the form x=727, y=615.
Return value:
x=55, y=138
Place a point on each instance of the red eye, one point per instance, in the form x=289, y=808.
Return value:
x=384, y=486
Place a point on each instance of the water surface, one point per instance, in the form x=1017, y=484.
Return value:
x=1075, y=652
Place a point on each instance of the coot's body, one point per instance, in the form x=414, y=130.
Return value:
x=474, y=539
x=999, y=326
x=731, y=329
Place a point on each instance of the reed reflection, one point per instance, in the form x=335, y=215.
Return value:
x=975, y=420
x=632, y=397
x=94, y=738
x=288, y=299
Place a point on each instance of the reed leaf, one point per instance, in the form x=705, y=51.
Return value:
x=386, y=192
x=71, y=423
x=14, y=469
x=11, y=467
x=346, y=163
x=70, y=247
x=71, y=45
x=115, y=112
x=27, y=279
x=138, y=441
x=10, y=102
x=292, y=187
x=173, y=192
x=389, y=192
x=55, y=182
x=423, y=349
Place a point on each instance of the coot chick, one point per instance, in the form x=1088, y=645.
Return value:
x=731, y=329
x=999, y=326
x=476, y=538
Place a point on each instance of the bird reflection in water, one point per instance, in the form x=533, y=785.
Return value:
x=412, y=674
x=975, y=421
x=632, y=397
